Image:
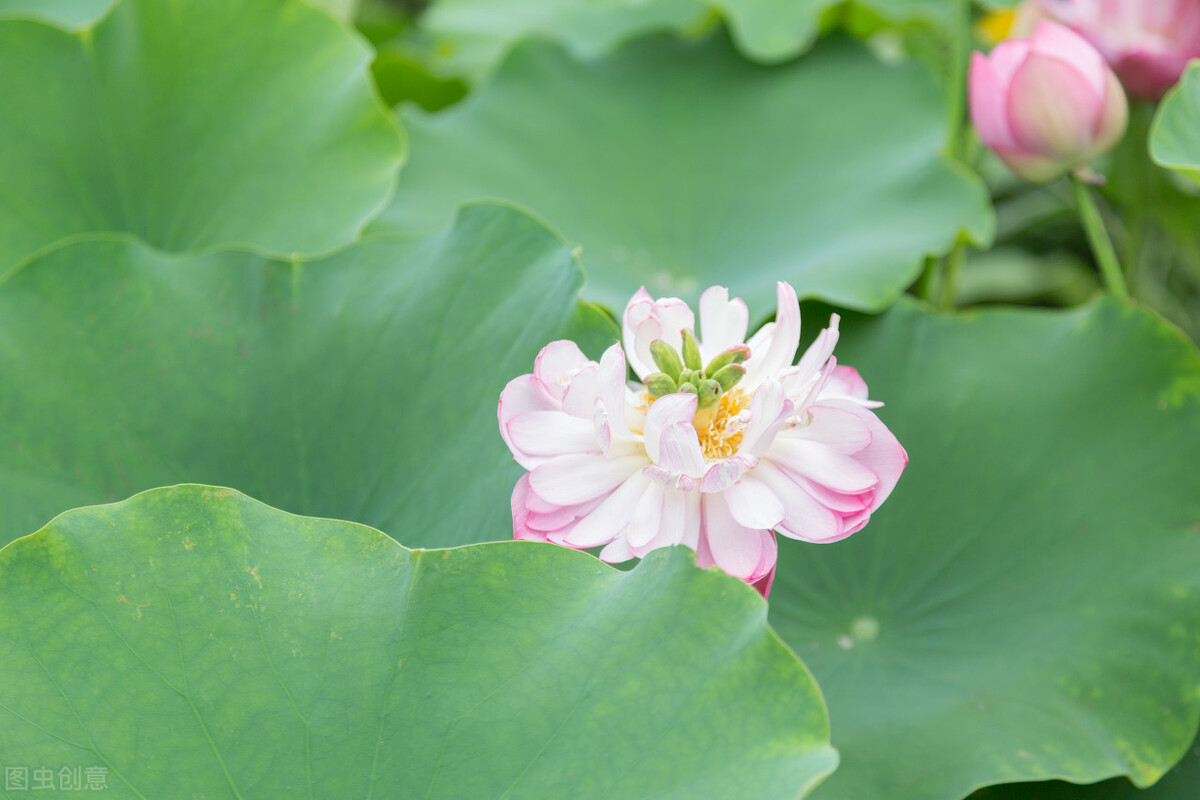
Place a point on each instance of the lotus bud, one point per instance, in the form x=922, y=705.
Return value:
x=1047, y=104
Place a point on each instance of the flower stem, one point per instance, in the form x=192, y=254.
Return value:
x=950, y=272
x=1102, y=246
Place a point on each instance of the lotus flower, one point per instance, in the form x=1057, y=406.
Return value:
x=1147, y=42
x=1046, y=104
x=724, y=444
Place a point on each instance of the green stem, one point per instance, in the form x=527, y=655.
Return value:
x=953, y=267
x=924, y=287
x=1102, y=246
x=960, y=55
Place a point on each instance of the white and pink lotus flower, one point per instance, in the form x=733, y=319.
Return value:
x=724, y=444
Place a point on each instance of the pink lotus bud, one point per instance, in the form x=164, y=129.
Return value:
x=1147, y=42
x=1046, y=104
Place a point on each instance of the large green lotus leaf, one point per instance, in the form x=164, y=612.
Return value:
x=470, y=37
x=240, y=122
x=1175, y=137
x=1027, y=603
x=1181, y=783
x=66, y=13
x=195, y=643
x=680, y=165
x=360, y=387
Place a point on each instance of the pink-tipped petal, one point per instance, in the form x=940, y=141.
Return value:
x=521, y=396
x=740, y=551
x=763, y=584
x=988, y=97
x=823, y=464
x=557, y=362
x=803, y=516
x=773, y=347
x=821, y=349
x=645, y=320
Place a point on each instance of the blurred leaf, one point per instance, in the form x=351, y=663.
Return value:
x=1025, y=604
x=402, y=77
x=196, y=643
x=362, y=386
x=191, y=125
x=470, y=37
x=680, y=165
x=1180, y=783
x=1175, y=137
x=65, y=13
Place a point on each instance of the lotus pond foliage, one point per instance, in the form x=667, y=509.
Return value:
x=410, y=399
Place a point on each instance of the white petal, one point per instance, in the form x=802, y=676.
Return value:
x=616, y=551
x=820, y=350
x=522, y=395
x=723, y=474
x=753, y=504
x=768, y=411
x=667, y=411
x=773, y=347
x=644, y=524
x=573, y=479
x=679, y=450
x=646, y=320
x=833, y=427
x=610, y=519
x=558, y=361
x=580, y=395
x=612, y=388
x=671, y=526
x=551, y=433
x=722, y=321
x=691, y=520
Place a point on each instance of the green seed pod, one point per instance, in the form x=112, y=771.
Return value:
x=729, y=375
x=709, y=394
x=690, y=388
x=734, y=355
x=666, y=359
x=658, y=384
x=691, y=351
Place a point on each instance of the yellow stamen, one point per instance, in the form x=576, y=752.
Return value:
x=719, y=435
x=996, y=27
